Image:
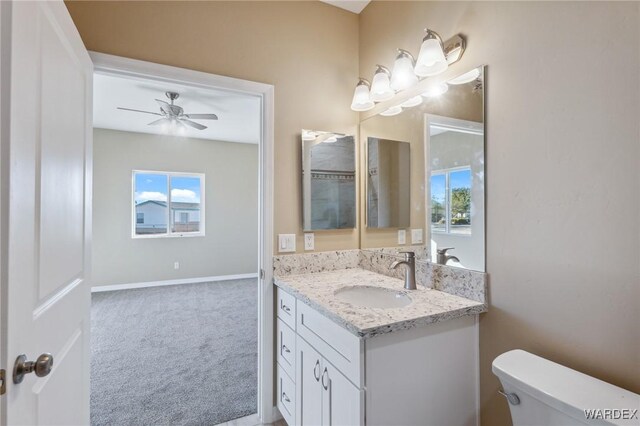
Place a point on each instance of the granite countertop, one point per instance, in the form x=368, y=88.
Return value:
x=428, y=306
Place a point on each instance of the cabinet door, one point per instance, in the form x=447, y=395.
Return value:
x=308, y=387
x=342, y=401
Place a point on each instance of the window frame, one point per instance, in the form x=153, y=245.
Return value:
x=447, y=199
x=169, y=233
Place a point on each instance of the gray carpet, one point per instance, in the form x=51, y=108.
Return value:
x=183, y=355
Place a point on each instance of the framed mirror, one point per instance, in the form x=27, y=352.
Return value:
x=328, y=180
x=444, y=130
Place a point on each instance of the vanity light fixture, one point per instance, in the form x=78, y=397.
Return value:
x=381, y=86
x=467, y=77
x=403, y=76
x=431, y=59
x=361, y=96
x=392, y=111
x=411, y=102
x=436, y=90
x=308, y=135
x=330, y=139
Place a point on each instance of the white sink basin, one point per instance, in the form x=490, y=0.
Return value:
x=372, y=297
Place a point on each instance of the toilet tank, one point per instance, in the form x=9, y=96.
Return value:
x=551, y=394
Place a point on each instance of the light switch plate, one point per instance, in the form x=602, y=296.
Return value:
x=416, y=236
x=402, y=236
x=286, y=243
x=309, y=241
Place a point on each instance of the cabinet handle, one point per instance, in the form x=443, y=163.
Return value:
x=286, y=308
x=325, y=373
x=286, y=349
x=316, y=371
x=285, y=397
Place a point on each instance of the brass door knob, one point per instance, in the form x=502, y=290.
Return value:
x=42, y=366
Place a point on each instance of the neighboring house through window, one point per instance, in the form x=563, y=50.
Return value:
x=168, y=204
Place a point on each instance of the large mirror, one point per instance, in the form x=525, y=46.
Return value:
x=328, y=180
x=444, y=183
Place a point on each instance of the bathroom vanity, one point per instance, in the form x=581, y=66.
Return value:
x=354, y=348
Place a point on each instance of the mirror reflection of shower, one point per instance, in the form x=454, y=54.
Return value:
x=328, y=180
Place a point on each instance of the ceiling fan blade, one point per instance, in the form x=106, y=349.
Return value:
x=160, y=121
x=202, y=116
x=137, y=110
x=161, y=102
x=193, y=124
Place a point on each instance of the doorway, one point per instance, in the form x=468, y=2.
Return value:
x=188, y=298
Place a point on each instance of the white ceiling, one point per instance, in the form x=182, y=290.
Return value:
x=354, y=6
x=238, y=114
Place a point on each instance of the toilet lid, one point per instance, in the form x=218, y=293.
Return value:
x=560, y=387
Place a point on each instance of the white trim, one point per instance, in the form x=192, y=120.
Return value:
x=135, y=69
x=129, y=286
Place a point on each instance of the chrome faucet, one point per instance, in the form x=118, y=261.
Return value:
x=443, y=257
x=410, y=273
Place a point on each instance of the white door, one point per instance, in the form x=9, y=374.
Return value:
x=342, y=402
x=308, y=387
x=47, y=134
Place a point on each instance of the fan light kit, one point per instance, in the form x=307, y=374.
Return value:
x=173, y=119
x=434, y=58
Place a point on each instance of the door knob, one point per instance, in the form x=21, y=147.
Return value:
x=42, y=366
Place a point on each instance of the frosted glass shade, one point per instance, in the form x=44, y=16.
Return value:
x=362, y=98
x=436, y=90
x=392, y=111
x=466, y=77
x=411, y=102
x=402, y=76
x=431, y=59
x=381, y=87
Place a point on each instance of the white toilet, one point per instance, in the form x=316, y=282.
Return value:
x=541, y=392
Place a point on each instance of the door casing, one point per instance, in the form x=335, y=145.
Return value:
x=131, y=68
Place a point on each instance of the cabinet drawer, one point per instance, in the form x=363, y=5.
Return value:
x=341, y=348
x=286, y=397
x=286, y=308
x=286, y=341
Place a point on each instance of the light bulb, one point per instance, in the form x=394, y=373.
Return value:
x=380, y=86
x=436, y=90
x=403, y=76
x=467, y=77
x=392, y=111
x=431, y=59
x=361, y=97
x=411, y=102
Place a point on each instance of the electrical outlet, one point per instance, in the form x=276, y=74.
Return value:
x=402, y=237
x=176, y=265
x=287, y=243
x=416, y=236
x=309, y=241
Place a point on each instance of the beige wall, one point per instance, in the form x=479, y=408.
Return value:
x=563, y=154
x=308, y=50
x=230, y=244
x=563, y=246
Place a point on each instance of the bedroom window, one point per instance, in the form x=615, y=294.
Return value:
x=167, y=204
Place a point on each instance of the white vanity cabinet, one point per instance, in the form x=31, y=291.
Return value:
x=425, y=375
x=324, y=395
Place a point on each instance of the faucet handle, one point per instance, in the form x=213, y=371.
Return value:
x=444, y=250
x=408, y=254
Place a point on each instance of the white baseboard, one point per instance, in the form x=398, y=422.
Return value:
x=129, y=286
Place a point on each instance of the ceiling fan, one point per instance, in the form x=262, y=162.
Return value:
x=174, y=115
